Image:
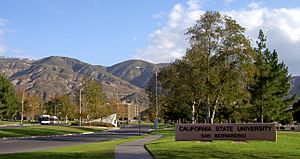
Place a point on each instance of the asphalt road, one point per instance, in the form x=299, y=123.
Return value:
x=43, y=143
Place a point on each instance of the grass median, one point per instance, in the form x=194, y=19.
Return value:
x=287, y=146
x=103, y=150
x=44, y=130
x=13, y=122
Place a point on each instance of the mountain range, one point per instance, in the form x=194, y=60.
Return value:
x=55, y=75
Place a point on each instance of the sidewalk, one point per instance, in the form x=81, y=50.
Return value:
x=135, y=149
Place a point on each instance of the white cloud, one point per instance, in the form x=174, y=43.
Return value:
x=281, y=25
x=194, y=4
x=168, y=42
x=255, y=5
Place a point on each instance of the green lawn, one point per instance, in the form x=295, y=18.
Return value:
x=287, y=146
x=100, y=150
x=13, y=122
x=44, y=130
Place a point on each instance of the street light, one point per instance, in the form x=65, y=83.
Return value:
x=22, y=113
x=156, y=99
x=80, y=91
x=139, y=120
x=138, y=113
x=156, y=102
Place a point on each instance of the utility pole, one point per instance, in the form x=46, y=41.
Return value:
x=22, y=111
x=156, y=98
x=55, y=110
x=80, y=91
x=139, y=117
x=156, y=102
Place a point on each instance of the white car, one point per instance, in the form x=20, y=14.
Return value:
x=45, y=119
x=54, y=120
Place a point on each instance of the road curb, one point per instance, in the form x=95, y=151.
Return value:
x=33, y=137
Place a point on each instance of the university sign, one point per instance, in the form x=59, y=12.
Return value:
x=236, y=132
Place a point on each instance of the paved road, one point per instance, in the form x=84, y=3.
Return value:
x=43, y=143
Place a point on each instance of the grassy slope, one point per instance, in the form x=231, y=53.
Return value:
x=103, y=150
x=287, y=146
x=43, y=130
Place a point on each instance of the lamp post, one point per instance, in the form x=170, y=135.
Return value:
x=138, y=112
x=22, y=113
x=156, y=102
x=156, y=99
x=139, y=120
x=80, y=91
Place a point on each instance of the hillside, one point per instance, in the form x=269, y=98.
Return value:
x=295, y=86
x=136, y=72
x=61, y=75
x=10, y=66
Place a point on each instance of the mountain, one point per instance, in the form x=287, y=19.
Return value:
x=61, y=75
x=295, y=86
x=137, y=98
x=57, y=75
x=136, y=72
x=10, y=66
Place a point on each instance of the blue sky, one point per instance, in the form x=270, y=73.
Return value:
x=109, y=31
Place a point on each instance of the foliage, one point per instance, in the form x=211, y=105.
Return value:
x=296, y=112
x=151, y=92
x=94, y=100
x=51, y=106
x=8, y=101
x=214, y=73
x=66, y=107
x=271, y=84
x=32, y=106
x=118, y=108
x=62, y=106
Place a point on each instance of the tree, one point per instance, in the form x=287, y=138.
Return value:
x=179, y=92
x=51, y=105
x=94, y=99
x=61, y=106
x=296, y=111
x=8, y=101
x=215, y=71
x=271, y=84
x=223, y=56
x=31, y=106
x=66, y=107
x=118, y=108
